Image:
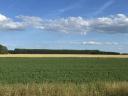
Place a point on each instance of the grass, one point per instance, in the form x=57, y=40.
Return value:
x=63, y=76
x=49, y=89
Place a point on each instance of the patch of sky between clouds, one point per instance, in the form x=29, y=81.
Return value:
x=102, y=8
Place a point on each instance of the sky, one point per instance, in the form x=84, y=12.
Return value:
x=65, y=24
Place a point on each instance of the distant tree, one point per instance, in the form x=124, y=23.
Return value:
x=3, y=49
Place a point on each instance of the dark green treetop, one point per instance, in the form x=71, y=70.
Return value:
x=3, y=49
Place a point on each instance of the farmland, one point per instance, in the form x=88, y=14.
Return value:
x=65, y=76
x=78, y=70
x=63, y=55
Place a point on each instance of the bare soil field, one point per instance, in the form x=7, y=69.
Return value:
x=63, y=55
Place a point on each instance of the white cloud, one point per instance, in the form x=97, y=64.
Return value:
x=91, y=43
x=112, y=24
x=3, y=18
x=68, y=25
x=94, y=43
x=8, y=24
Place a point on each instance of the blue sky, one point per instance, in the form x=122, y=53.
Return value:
x=64, y=24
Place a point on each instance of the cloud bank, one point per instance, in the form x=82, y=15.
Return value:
x=111, y=24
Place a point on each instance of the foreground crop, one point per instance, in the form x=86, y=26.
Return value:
x=69, y=89
x=62, y=70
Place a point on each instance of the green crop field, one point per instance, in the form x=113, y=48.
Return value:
x=63, y=76
x=76, y=70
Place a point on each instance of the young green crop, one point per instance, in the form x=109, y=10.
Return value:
x=62, y=70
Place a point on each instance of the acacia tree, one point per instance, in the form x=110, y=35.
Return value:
x=3, y=49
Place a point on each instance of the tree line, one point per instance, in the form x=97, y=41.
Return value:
x=4, y=50
x=48, y=51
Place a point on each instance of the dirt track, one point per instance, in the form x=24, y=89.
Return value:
x=63, y=55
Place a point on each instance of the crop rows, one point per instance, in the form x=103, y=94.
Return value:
x=62, y=70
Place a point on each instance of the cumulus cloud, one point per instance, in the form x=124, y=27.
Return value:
x=111, y=24
x=8, y=24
